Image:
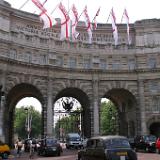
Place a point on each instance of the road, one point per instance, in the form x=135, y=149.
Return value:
x=72, y=155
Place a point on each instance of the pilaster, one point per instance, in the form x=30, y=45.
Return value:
x=142, y=107
x=95, y=106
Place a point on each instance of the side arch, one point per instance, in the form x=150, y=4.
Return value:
x=12, y=97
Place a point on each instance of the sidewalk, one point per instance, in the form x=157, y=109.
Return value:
x=23, y=156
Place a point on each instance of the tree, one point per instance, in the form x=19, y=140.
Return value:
x=108, y=118
x=20, y=122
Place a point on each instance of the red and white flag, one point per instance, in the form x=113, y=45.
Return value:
x=74, y=21
x=88, y=24
x=114, y=26
x=65, y=22
x=94, y=19
x=44, y=16
x=47, y=21
x=39, y=5
x=126, y=17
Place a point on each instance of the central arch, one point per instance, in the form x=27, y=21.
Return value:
x=14, y=95
x=85, y=104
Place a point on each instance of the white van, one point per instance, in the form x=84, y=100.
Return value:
x=73, y=140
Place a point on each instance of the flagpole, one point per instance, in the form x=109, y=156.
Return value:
x=56, y=7
x=109, y=16
x=122, y=17
x=24, y=4
x=95, y=15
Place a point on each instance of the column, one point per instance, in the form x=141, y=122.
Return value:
x=142, y=107
x=95, y=107
x=2, y=103
x=49, y=110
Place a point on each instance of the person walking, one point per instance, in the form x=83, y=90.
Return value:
x=19, y=146
x=32, y=148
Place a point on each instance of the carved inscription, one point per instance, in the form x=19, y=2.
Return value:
x=37, y=30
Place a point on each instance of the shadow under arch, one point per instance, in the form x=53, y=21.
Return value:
x=83, y=99
x=153, y=125
x=17, y=93
x=126, y=105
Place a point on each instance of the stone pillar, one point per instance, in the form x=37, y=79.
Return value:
x=2, y=104
x=142, y=107
x=49, y=110
x=95, y=107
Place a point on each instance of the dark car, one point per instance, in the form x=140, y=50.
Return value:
x=158, y=145
x=145, y=142
x=49, y=147
x=107, y=148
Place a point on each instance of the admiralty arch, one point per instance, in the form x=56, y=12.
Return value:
x=35, y=63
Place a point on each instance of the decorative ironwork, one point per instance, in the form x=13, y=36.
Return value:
x=67, y=105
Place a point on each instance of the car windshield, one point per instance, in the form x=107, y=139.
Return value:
x=117, y=143
x=51, y=142
x=150, y=138
x=75, y=138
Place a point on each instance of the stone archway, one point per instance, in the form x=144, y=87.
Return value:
x=125, y=103
x=153, y=125
x=155, y=129
x=83, y=99
x=14, y=95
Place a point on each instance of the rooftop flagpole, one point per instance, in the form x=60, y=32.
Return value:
x=56, y=7
x=24, y=4
x=109, y=16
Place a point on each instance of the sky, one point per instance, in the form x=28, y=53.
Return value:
x=137, y=9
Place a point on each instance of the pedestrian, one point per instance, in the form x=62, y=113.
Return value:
x=32, y=147
x=19, y=146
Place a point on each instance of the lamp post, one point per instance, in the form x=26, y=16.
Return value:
x=28, y=123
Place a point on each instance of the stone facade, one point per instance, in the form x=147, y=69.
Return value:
x=34, y=62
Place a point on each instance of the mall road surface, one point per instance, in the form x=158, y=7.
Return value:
x=72, y=155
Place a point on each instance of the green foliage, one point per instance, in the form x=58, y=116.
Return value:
x=20, y=121
x=108, y=118
x=69, y=123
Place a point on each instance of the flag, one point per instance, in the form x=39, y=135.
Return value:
x=74, y=23
x=125, y=15
x=114, y=26
x=47, y=21
x=44, y=16
x=65, y=20
x=94, y=19
x=88, y=24
x=39, y=5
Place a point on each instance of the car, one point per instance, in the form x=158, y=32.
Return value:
x=73, y=140
x=145, y=142
x=49, y=147
x=158, y=145
x=4, y=150
x=111, y=147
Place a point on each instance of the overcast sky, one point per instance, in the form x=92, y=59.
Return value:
x=137, y=9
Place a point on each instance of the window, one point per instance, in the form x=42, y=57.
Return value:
x=155, y=104
x=116, y=65
x=103, y=64
x=72, y=62
x=13, y=53
x=59, y=61
x=152, y=62
x=131, y=64
x=87, y=64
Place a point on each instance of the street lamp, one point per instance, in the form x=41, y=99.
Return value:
x=28, y=122
x=2, y=97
